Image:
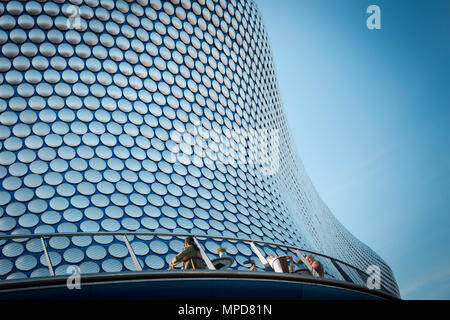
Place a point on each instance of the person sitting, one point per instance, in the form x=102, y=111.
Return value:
x=190, y=255
x=266, y=267
x=316, y=265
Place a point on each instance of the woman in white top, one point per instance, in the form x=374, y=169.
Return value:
x=274, y=263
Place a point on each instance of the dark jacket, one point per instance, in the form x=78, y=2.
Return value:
x=188, y=254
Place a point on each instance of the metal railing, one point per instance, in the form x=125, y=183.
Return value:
x=355, y=276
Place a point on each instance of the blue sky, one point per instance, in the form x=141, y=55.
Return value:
x=369, y=111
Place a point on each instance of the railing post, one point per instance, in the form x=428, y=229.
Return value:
x=362, y=276
x=204, y=256
x=258, y=254
x=133, y=256
x=49, y=263
x=341, y=271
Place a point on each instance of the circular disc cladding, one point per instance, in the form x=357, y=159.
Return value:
x=160, y=116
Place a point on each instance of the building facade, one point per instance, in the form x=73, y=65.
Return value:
x=149, y=116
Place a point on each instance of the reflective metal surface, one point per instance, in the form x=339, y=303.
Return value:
x=143, y=116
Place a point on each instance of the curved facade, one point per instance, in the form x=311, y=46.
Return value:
x=149, y=116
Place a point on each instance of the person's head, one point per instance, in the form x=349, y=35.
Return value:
x=310, y=258
x=189, y=241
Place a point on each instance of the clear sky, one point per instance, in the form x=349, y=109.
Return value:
x=369, y=111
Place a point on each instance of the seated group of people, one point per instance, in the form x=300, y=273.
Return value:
x=281, y=264
x=192, y=260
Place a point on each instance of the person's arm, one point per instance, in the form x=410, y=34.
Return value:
x=183, y=255
x=318, y=267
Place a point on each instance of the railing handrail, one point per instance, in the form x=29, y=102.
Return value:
x=165, y=234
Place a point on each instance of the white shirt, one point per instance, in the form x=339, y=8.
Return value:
x=275, y=264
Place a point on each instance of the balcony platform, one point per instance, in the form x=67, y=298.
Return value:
x=189, y=285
